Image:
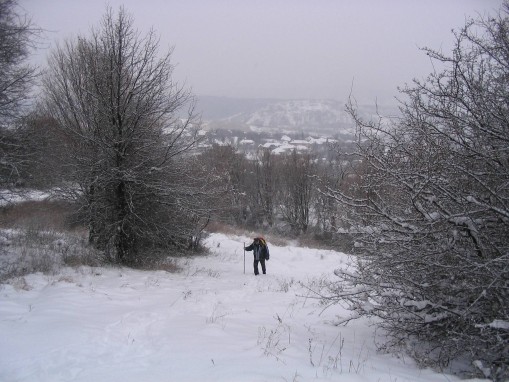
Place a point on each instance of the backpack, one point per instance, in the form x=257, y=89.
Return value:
x=265, y=249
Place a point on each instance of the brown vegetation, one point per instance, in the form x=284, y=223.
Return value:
x=40, y=215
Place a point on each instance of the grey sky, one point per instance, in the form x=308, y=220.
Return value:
x=282, y=48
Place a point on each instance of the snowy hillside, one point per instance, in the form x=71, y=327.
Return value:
x=298, y=114
x=210, y=322
x=310, y=116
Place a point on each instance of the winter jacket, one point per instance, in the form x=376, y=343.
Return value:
x=257, y=250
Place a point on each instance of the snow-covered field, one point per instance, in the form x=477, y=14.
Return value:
x=210, y=322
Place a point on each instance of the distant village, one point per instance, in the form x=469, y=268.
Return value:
x=251, y=142
x=281, y=126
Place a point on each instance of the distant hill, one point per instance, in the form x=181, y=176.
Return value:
x=215, y=108
x=322, y=117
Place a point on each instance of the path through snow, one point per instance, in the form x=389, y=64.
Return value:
x=211, y=322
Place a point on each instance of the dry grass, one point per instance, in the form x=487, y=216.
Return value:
x=227, y=229
x=39, y=215
x=219, y=227
x=311, y=241
x=26, y=251
x=308, y=240
x=42, y=236
x=39, y=236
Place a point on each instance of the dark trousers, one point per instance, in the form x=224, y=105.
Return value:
x=255, y=266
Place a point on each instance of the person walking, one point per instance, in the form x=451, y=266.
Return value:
x=260, y=253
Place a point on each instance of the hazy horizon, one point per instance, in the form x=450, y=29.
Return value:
x=284, y=49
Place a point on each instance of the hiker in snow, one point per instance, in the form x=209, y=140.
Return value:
x=260, y=252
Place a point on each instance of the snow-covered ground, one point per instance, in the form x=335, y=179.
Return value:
x=210, y=322
x=18, y=196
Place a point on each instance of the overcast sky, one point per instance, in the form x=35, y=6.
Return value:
x=282, y=48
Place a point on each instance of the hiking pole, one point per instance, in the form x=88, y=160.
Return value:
x=244, y=257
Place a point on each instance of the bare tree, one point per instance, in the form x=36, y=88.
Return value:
x=264, y=202
x=117, y=106
x=430, y=212
x=296, y=190
x=17, y=35
x=331, y=218
x=229, y=169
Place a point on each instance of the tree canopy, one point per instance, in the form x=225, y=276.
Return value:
x=124, y=123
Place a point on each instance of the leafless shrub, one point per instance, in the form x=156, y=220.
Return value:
x=429, y=210
x=275, y=341
x=20, y=283
x=26, y=251
x=286, y=284
x=157, y=261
